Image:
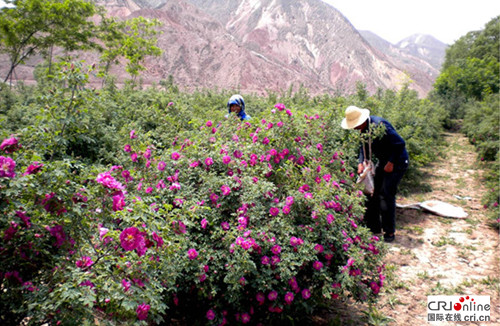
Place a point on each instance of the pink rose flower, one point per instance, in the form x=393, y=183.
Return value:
x=210, y=315
x=142, y=311
x=318, y=265
x=83, y=262
x=175, y=156
x=192, y=253
x=35, y=167
x=131, y=238
x=209, y=161
x=274, y=211
x=273, y=295
x=10, y=145
x=226, y=190
x=7, y=167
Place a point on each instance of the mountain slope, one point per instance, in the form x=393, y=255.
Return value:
x=265, y=45
x=420, y=68
x=425, y=47
x=311, y=37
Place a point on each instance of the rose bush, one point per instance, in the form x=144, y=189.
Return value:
x=243, y=222
x=143, y=206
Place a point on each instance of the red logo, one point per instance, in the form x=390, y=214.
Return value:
x=457, y=306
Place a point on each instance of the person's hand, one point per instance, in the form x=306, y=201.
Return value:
x=360, y=168
x=389, y=167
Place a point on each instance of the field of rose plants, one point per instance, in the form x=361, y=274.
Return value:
x=146, y=206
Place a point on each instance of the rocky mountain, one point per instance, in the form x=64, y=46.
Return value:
x=425, y=47
x=270, y=45
x=421, y=61
x=312, y=38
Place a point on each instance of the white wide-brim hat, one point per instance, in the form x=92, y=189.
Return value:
x=354, y=117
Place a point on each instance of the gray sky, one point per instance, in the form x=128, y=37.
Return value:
x=393, y=20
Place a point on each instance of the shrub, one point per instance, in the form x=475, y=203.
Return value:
x=241, y=222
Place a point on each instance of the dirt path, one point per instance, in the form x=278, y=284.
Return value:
x=433, y=255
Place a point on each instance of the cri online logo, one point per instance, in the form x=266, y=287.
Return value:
x=457, y=306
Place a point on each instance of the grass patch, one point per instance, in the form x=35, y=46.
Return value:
x=418, y=230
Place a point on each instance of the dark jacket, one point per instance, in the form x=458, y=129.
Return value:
x=389, y=148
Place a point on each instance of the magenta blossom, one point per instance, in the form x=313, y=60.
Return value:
x=318, y=265
x=127, y=148
x=161, y=165
x=276, y=249
x=126, y=285
x=35, y=167
x=286, y=210
x=26, y=219
x=273, y=295
x=204, y=223
x=175, y=156
x=131, y=238
x=108, y=181
x=260, y=297
x=210, y=315
x=192, y=253
x=226, y=190
x=142, y=311
x=306, y=294
x=245, y=318
x=10, y=145
x=319, y=248
x=132, y=134
x=7, y=167
x=83, y=262
x=274, y=211
x=209, y=161
x=289, y=297
x=294, y=241
x=280, y=106
x=375, y=287
x=118, y=202
x=158, y=239
x=226, y=159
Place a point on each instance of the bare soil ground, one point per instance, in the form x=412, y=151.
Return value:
x=434, y=255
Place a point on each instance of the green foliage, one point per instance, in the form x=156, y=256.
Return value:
x=470, y=70
x=468, y=88
x=132, y=39
x=33, y=27
x=156, y=144
x=481, y=126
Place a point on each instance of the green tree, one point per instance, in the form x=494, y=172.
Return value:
x=470, y=70
x=133, y=39
x=32, y=27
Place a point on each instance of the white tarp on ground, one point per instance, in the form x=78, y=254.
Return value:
x=439, y=208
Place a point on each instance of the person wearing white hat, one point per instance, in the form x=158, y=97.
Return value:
x=393, y=161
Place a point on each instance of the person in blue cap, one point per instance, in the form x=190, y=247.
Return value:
x=236, y=104
x=393, y=161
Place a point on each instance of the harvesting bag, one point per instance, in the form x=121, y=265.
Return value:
x=367, y=177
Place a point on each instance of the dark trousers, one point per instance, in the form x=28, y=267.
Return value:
x=381, y=207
